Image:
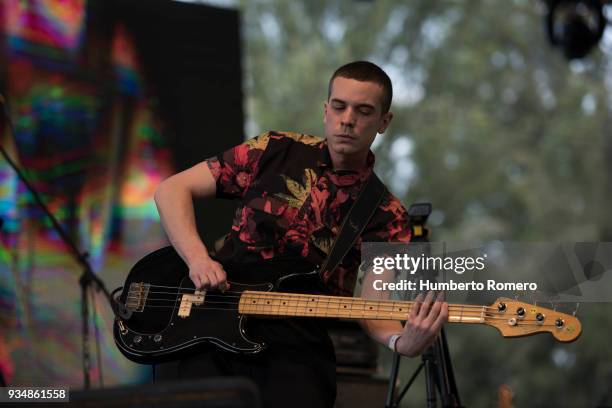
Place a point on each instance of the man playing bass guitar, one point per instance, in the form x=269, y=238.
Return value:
x=294, y=191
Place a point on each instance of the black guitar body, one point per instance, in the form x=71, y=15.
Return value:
x=156, y=333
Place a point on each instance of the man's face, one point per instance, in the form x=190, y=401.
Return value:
x=353, y=116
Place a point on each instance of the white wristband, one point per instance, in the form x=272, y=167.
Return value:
x=393, y=341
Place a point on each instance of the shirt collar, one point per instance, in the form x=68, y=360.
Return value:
x=344, y=177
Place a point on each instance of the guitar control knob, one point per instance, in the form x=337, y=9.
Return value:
x=501, y=306
x=157, y=338
x=520, y=311
x=137, y=339
x=540, y=317
x=559, y=323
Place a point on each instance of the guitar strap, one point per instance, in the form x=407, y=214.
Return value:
x=354, y=223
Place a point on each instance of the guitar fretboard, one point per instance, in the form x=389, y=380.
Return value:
x=290, y=304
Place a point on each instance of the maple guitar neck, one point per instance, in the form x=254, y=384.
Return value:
x=512, y=318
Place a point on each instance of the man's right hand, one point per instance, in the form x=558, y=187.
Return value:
x=206, y=273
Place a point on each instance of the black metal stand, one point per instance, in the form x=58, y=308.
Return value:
x=439, y=376
x=87, y=277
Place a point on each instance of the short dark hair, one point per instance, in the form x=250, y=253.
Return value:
x=366, y=71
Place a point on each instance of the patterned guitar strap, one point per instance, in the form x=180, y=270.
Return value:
x=354, y=223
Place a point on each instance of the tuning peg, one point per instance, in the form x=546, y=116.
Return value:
x=551, y=300
x=577, y=306
x=532, y=299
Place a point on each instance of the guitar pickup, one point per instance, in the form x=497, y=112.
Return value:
x=188, y=300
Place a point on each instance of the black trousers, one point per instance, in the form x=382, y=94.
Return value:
x=297, y=369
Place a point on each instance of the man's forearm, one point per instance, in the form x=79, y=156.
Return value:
x=175, y=207
x=174, y=200
x=381, y=330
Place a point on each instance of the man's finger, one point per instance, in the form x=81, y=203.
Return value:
x=212, y=280
x=414, y=310
x=220, y=275
x=197, y=281
x=442, y=316
x=206, y=281
x=434, y=312
x=426, y=305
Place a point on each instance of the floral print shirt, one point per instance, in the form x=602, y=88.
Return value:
x=293, y=203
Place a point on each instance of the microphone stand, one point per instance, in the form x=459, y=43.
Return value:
x=439, y=376
x=88, y=277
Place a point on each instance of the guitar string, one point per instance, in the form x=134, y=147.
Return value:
x=277, y=297
x=270, y=294
x=381, y=305
x=387, y=306
x=471, y=314
x=289, y=307
x=190, y=290
x=520, y=323
x=187, y=288
x=305, y=306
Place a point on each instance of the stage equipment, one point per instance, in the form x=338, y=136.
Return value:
x=219, y=392
x=191, y=56
x=575, y=26
x=436, y=360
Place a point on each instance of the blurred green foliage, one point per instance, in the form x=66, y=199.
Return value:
x=504, y=137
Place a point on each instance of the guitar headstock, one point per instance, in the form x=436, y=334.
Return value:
x=514, y=318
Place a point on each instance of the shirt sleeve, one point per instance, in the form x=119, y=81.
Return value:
x=235, y=169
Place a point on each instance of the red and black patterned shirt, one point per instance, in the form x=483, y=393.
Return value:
x=293, y=203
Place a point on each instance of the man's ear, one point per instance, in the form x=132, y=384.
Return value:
x=325, y=111
x=386, y=120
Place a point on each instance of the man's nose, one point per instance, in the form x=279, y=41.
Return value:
x=348, y=118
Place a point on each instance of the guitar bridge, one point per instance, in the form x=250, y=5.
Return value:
x=137, y=296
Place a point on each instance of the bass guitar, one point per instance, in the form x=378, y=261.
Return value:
x=164, y=316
